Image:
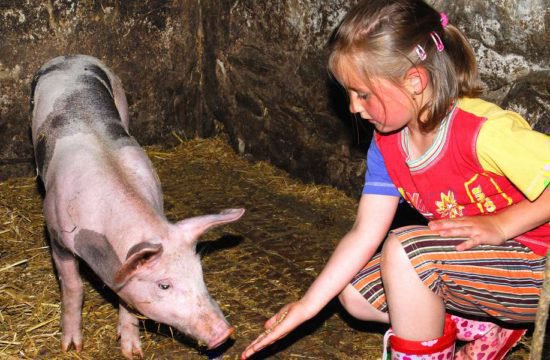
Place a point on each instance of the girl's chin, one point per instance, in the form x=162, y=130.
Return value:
x=380, y=127
x=383, y=129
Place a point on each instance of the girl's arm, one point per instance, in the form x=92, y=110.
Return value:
x=374, y=217
x=496, y=229
x=355, y=249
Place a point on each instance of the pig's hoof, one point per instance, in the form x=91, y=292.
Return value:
x=132, y=351
x=71, y=342
x=130, y=344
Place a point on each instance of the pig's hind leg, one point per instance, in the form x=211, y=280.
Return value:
x=128, y=330
x=71, y=296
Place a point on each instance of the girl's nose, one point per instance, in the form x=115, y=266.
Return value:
x=355, y=107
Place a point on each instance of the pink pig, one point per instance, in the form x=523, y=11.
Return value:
x=103, y=204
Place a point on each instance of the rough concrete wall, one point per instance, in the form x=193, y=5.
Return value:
x=266, y=80
x=252, y=69
x=152, y=45
x=267, y=66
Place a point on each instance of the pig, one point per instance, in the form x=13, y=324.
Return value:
x=103, y=204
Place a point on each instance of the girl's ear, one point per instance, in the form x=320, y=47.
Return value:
x=416, y=80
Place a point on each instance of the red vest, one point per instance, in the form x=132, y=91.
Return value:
x=451, y=182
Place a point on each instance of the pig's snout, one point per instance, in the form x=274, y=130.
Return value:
x=210, y=330
x=221, y=339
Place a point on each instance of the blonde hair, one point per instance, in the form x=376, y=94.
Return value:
x=378, y=38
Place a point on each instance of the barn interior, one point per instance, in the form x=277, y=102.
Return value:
x=233, y=103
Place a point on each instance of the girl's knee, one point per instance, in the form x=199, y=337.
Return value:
x=404, y=243
x=400, y=252
x=348, y=297
x=392, y=252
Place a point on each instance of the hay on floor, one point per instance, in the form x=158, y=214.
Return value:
x=251, y=267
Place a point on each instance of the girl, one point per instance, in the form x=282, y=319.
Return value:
x=477, y=172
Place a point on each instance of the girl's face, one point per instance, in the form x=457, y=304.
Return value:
x=391, y=109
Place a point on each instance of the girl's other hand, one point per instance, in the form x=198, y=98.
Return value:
x=277, y=327
x=478, y=229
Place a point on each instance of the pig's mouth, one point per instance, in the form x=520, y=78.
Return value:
x=221, y=339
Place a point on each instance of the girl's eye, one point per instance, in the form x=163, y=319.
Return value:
x=362, y=96
x=164, y=286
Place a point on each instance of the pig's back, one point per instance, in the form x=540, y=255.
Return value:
x=92, y=169
x=73, y=95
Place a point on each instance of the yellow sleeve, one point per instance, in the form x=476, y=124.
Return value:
x=506, y=145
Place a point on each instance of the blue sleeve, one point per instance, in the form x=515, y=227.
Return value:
x=377, y=179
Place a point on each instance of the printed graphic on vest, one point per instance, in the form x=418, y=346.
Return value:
x=448, y=206
x=415, y=201
x=485, y=192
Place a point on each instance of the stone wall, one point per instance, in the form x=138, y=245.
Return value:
x=154, y=46
x=254, y=70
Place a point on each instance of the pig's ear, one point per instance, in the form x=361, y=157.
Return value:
x=196, y=226
x=139, y=256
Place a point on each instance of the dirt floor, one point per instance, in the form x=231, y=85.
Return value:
x=251, y=267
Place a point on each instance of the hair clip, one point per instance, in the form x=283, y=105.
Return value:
x=421, y=52
x=443, y=19
x=437, y=40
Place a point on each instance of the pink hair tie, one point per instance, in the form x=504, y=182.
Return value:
x=443, y=19
x=437, y=40
x=421, y=52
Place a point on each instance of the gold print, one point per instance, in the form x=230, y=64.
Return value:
x=480, y=197
x=448, y=207
x=477, y=195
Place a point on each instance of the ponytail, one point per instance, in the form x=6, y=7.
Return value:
x=463, y=58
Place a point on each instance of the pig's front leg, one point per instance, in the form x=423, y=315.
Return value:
x=71, y=297
x=128, y=330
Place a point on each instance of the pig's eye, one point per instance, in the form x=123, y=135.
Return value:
x=164, y=286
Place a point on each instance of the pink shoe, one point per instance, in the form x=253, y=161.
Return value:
x=486, y=341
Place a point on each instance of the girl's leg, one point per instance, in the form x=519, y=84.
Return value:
x=491, y=282
x=499, y=282
x=365, y=299
x=416, y=312
x=487, y=282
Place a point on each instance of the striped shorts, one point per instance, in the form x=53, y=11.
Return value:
x=502, y=282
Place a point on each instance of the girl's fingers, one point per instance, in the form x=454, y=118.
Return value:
x=273, y=333
x=446, y=224
x=466, y=245
x=463, y=231
x=266, y=338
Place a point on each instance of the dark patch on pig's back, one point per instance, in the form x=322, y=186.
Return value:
x=87, y=109
x=96, y=250
x=99, y=73
x=60, y=65
x=63, y=63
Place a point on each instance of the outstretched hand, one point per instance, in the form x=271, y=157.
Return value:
x=277, y=327
x=478, y=229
